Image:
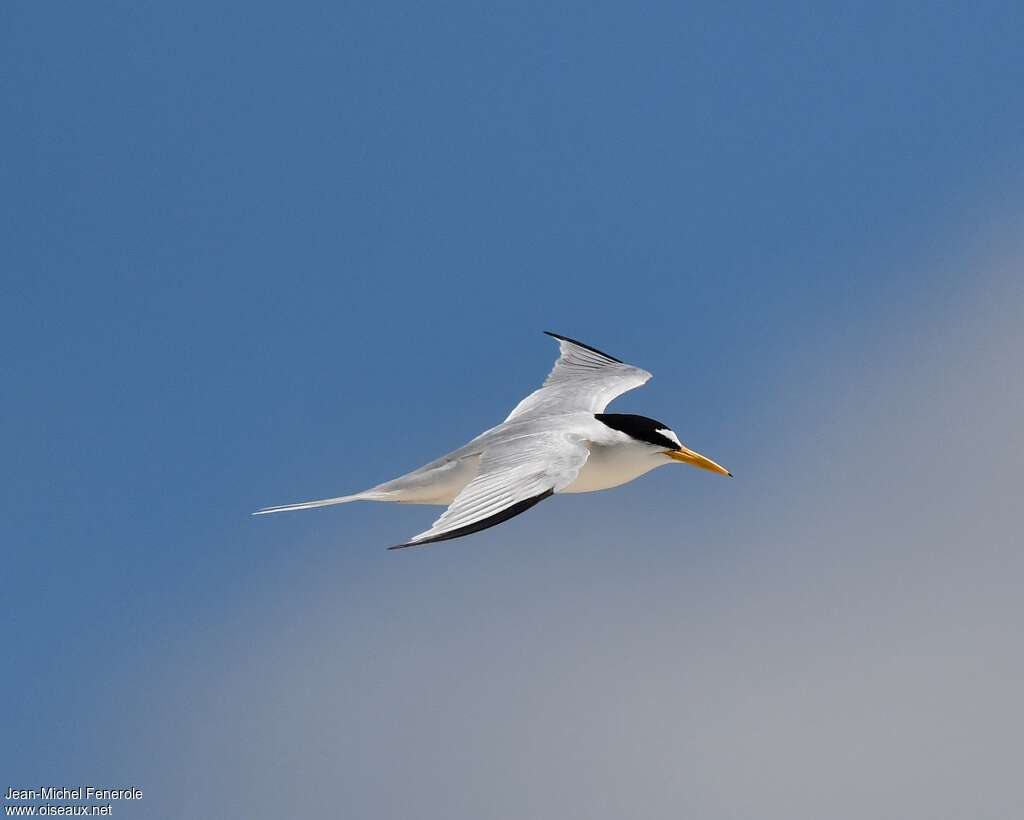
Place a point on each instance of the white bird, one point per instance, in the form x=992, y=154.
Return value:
x=556, y=440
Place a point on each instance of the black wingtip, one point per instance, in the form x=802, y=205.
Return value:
x=562, y=338
x=486, y=523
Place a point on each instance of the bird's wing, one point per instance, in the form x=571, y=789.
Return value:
x=583, y=380
x=514, y=475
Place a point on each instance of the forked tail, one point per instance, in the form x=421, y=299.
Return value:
x=308, y=505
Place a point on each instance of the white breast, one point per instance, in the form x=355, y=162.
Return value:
x=610, y=466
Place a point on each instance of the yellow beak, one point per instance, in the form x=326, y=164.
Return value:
x=687, y=456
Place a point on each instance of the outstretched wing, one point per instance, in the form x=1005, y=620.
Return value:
x=583, y=380
x=514, y=475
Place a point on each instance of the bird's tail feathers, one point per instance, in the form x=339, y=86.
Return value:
x=323, y=502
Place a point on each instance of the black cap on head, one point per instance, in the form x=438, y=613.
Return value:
x=639, y=427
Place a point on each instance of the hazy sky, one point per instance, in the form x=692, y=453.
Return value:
x=254, y=254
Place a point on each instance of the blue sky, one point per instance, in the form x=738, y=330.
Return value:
x=253, y=255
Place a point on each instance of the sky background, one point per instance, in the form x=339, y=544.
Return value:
x=254, y=254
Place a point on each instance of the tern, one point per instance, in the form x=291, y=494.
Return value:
x=556, y=440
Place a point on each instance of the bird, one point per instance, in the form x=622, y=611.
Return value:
x=556, y=440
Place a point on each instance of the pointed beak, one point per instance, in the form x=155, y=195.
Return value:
x=688, y=456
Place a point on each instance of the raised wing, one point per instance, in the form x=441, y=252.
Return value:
x=583, y=380
x=514, y=475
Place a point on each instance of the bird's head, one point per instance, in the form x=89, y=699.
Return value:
x=659, y=436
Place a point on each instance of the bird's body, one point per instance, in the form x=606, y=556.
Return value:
x=613, y=464
x=557, y=440
x=614, y=459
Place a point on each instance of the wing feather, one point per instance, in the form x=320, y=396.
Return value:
x=583, y=380
x=513, y=476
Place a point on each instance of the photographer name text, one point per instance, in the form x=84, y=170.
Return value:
x=72, y=793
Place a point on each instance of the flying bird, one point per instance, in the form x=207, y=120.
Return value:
x=556, y=440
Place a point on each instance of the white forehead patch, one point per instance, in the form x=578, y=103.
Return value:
x=671, y=436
